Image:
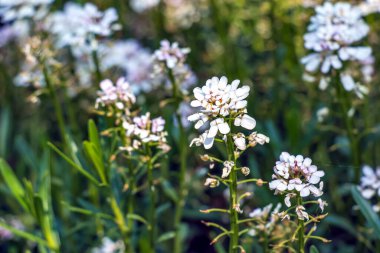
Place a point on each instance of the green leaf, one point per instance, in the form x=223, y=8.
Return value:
x=166, y=236
x=94, y=135
x=75, y=165
x=367, y=211
x=138, y=218
x=96, y=160
x=313, y=249
x=45, y=223
x=24, y=234
x=13, y=183
x=169, y=191
x=4, y=131
x=87, y=212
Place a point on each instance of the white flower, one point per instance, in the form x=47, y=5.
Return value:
x=228, y=166
x=171, y=54
x=239, y=141
x=322, y=204
x=301, y=213
x=332, y=36
x=77, y=25
x=212, y=182
x=322, y=113
x=370, y=185
x=218, y=100
x=119, y=95
x=147, y=130
x=296, y=174
x=143, y=5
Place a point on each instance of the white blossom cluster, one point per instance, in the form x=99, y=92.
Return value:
x=370, y=185
x=170, y=54
x=220, y=103
x=296, y=176
x=170, y=59
x=18, y=14
x=109, y=246
x=332, y=35
x=147, y=130
x=78, y=25
x=119, y=95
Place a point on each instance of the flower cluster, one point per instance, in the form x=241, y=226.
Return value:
x=169, y=62
x=147, y=130
x=170, y=54
x=294, y=177
x=370, y=185
x=332, y=35
x=78, y=25
x=119, y=95
x=17, y=14
x=219, y=103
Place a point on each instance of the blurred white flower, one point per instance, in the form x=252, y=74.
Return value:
x=369, y=6
x=16, y=223
x=78, y=25
x=171, y=54
x=109, y=246
x=228, y=166
x=322, y=113
x=332, y=34
x=370, y=185
x=143, y=5
x=119, y=95
x=296, y=174
x=211, y=182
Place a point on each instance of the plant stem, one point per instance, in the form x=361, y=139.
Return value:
x=152, y=206
x=352, y=136
x=301, y=230
x=131, y=203
x=234, y=219
x=183, y=150
x=57, y=106
x=98, y=73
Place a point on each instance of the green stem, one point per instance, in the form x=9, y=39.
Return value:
x=57, y=106
x=301, y=230
x=234, y=219
x=183, y=150
x=152, y=206
x=98, y=73
x=352, y=136
x=131, y=203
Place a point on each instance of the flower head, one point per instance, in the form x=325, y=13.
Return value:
x=219, y=102
x=171, y=54
x=296, y=174
x=332, y=36
x=147, y=130
x=119, y=94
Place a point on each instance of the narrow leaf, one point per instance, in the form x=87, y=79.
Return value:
x=96, y=160
x=75, y=165
x=367, y=211
x=166, y=236
x=13, y=183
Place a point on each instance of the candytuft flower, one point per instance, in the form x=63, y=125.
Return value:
x=332, y=36
x=296, y=174
x=119, y=95
x=218, y=102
